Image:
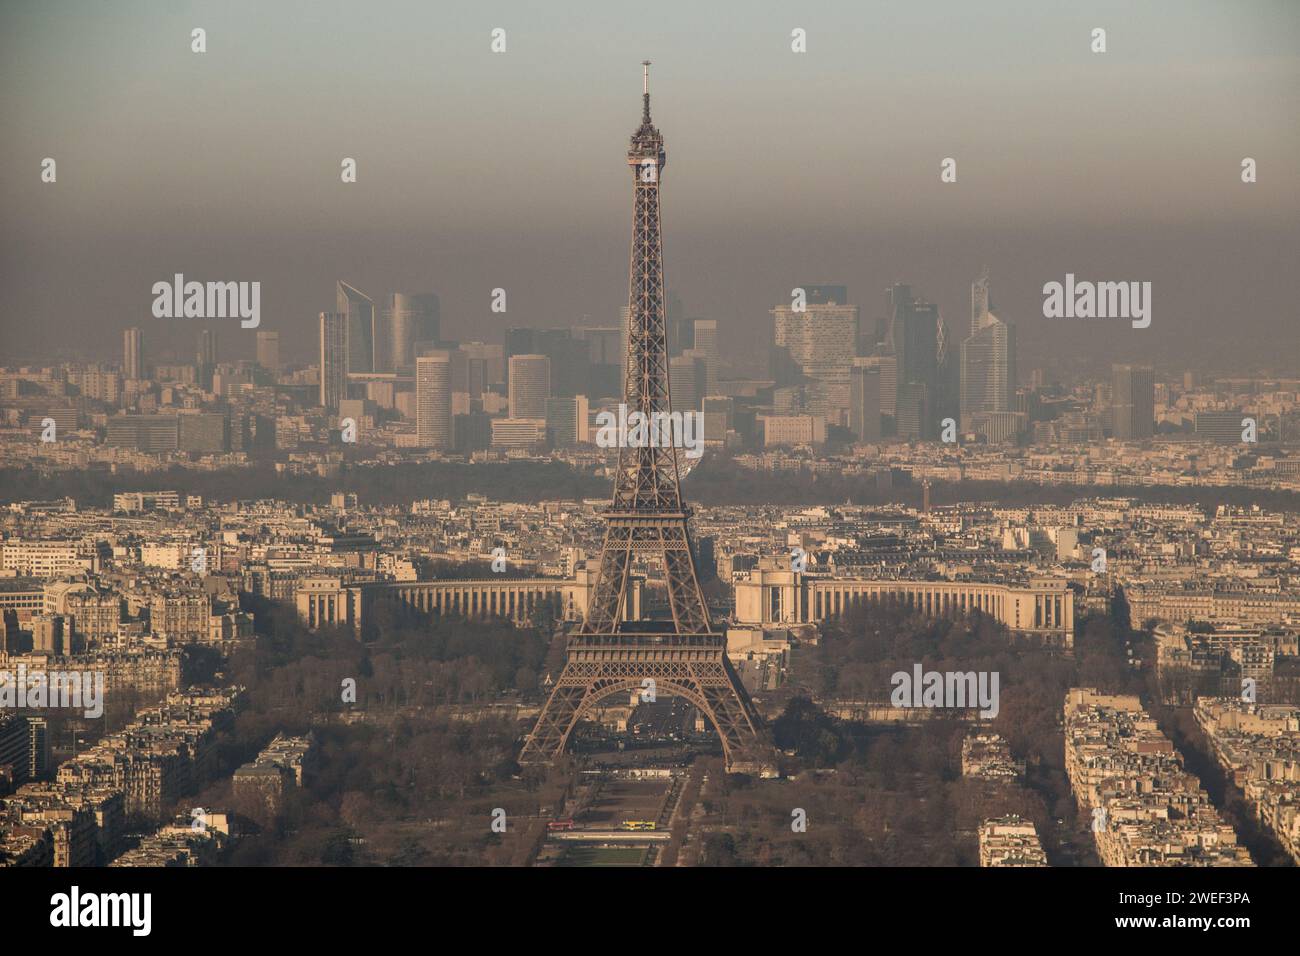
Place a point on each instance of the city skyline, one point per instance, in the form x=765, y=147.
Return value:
x=1035, y=196
x=982, y=552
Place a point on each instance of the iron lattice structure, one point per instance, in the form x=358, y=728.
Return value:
x=608, y=654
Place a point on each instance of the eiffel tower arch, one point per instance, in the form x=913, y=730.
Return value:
x=647, y=517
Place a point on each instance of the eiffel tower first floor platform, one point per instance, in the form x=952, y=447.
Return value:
x=693, y=667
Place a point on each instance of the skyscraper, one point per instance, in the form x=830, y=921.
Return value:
x=915, y=333
x=816, y=347
x=518, y=342
x=1133, y=401
x=706, y=345
x=268, y=350
x=914, y=413
x=433, y=400
x=567, y=420
x=915, y=337
x=133, y=354
x=606, y=353
x=864, y=399
x=988, y=359
x=979, y=301
x=475, y=366
x=406, y=320
x=687, y=374
x=719, y=417
x=569, y=360
x=529, y=386
x=360, y=312
x=681, y=330
x=887, y=366
x=206, y=357
x=333, y=359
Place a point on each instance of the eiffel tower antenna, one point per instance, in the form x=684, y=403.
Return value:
x=610, y=653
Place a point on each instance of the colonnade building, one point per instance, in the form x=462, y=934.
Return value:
x=325, y=601
x=768, y=596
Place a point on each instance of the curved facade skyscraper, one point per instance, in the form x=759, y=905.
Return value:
x=433, y=400
x=408, y=318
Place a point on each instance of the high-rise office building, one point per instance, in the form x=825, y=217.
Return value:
x=979, y=301
x=988, y=368
x=897, y=296
x=887, y=367
x=680, y=329
x=923, y=368
x=360, y=312
x=529, y=386
x=686, y=376
x=1133, y=401
x=916, y=340
x=333, y=359
x=988, y=359
x=476, y=367
x=567, y=420
x=205, y=359
x=433, y=400
x=864, y=400
x=719, y=417
x=605, y=345
x=518, y=342
x=268, y=350
x=472, y=432
x=133, y=354
x=706, y=346
x=606, y=355
x=815, y=347
x=406, y=320
x=914, y=414
x=207, y=348
x=568, y=351
x=569, y=360
x=948, y=382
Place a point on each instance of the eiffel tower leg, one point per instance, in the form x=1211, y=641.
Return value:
x=684, y=595
x=713, y=687
x=744, y=741
x=604, y=609
x=554, y=723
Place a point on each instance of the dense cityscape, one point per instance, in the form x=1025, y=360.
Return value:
x=152, y=586
x=860, y=579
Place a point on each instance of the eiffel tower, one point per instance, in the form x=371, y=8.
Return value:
x=607, y=654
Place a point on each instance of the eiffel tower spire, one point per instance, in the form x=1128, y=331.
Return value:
x=647, y=518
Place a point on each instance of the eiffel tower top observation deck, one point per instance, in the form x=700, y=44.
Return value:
x=647, y=142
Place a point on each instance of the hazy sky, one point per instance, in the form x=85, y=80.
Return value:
x=479, y=170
